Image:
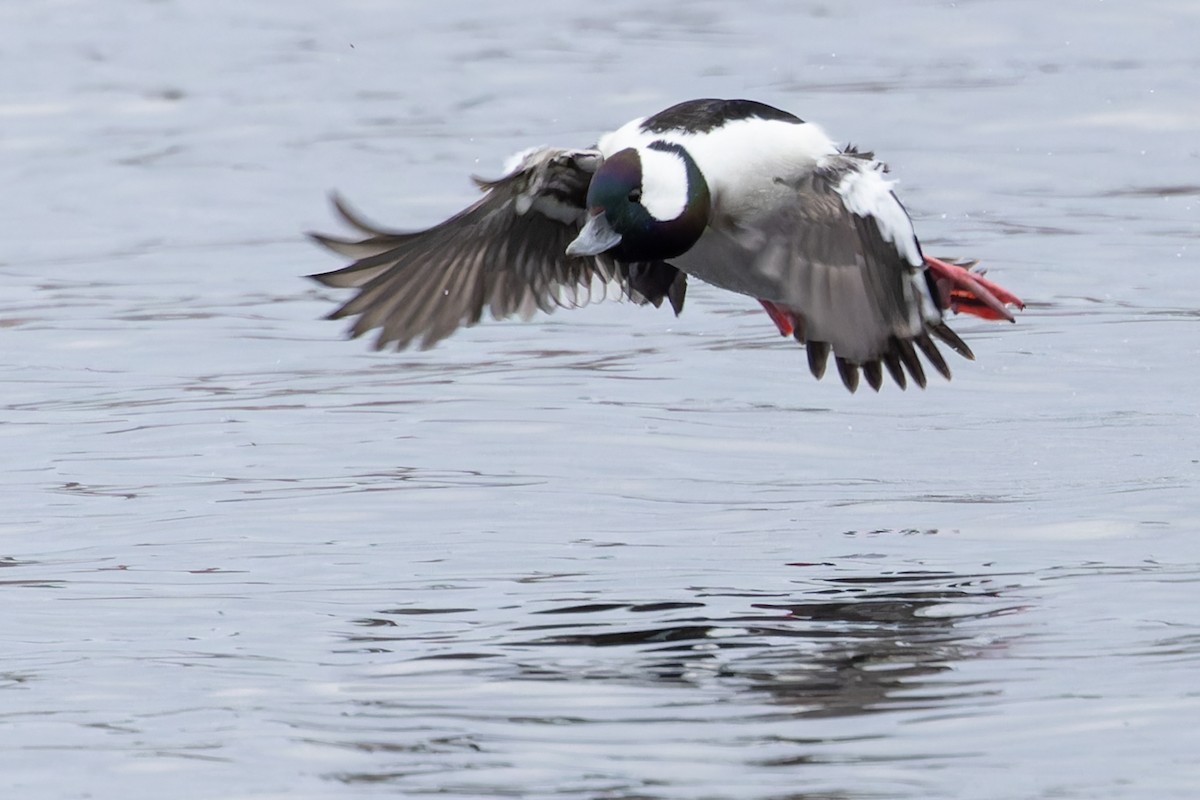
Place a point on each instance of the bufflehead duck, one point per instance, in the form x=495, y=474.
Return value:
x=736, y=193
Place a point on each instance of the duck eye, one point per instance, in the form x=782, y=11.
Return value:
x=635, y=196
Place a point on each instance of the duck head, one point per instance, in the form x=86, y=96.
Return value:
x=644, y=204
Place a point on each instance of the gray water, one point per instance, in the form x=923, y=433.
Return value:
x=607, y=553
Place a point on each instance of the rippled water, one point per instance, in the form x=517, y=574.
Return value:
x=608, y=553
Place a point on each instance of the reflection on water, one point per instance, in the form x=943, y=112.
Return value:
x=844, y=646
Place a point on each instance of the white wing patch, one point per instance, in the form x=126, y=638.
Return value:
x=868, y=194
x=517, y=160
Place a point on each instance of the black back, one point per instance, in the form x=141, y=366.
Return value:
x=705, y=115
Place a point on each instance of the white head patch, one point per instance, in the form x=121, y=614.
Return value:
x=664, y=183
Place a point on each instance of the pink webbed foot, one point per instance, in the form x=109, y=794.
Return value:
x=960, y=289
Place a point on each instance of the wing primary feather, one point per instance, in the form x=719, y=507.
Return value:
x=873, y=372
x=942, y=331
x=818, y=358
x=849, y=373
x=361, y=272
x=799, y=327
x=350, y=248
x=932, y=354
x=891, y=360
x=909, y=357
x=355, y=220
x=677, y=292
x=453, y=305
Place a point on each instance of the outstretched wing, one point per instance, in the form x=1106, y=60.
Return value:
x=505, y=253
x=838, y=259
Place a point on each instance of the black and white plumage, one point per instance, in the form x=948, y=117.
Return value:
x=737, y=193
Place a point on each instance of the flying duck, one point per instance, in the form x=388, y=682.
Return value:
x=737, y=193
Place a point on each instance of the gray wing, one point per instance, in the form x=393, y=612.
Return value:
x=842, y=259
x=505, y=253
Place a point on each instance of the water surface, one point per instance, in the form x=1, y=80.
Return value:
x=607, y=553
